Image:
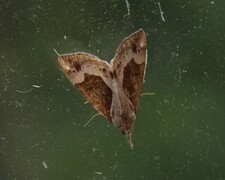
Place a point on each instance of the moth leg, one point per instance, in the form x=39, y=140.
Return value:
x=92, y=119
x=85, y=102
x=147, y=94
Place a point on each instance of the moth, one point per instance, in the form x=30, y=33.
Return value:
x=114, y=88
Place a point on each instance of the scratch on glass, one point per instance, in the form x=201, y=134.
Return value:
x=27, y=91
x=128, y=8
x=161, y=12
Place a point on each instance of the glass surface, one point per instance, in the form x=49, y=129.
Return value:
x=179, y=132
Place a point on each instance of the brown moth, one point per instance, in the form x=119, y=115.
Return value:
x=112, y=88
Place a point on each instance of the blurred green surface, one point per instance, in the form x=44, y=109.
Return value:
x=179, y=132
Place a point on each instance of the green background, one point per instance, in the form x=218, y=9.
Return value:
x=179, y=132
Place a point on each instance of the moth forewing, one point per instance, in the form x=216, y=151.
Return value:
x=92, y=77
x=129, y=66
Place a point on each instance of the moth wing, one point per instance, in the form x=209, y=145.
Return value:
x=129, y=65
x=92, y=77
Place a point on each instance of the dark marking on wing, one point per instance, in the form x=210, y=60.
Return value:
x=115, y=73
x=132, y=86
x=105, y=72
x=77, y=66
x=111, y=74
x=97, y=93
x=119, y=64
x=134, y=48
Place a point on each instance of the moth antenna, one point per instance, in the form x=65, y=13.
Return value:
x=91, y=119
x=56, y=52
x=147, y=94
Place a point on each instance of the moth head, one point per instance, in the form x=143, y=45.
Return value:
x=65, y=64
x=125, y=125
